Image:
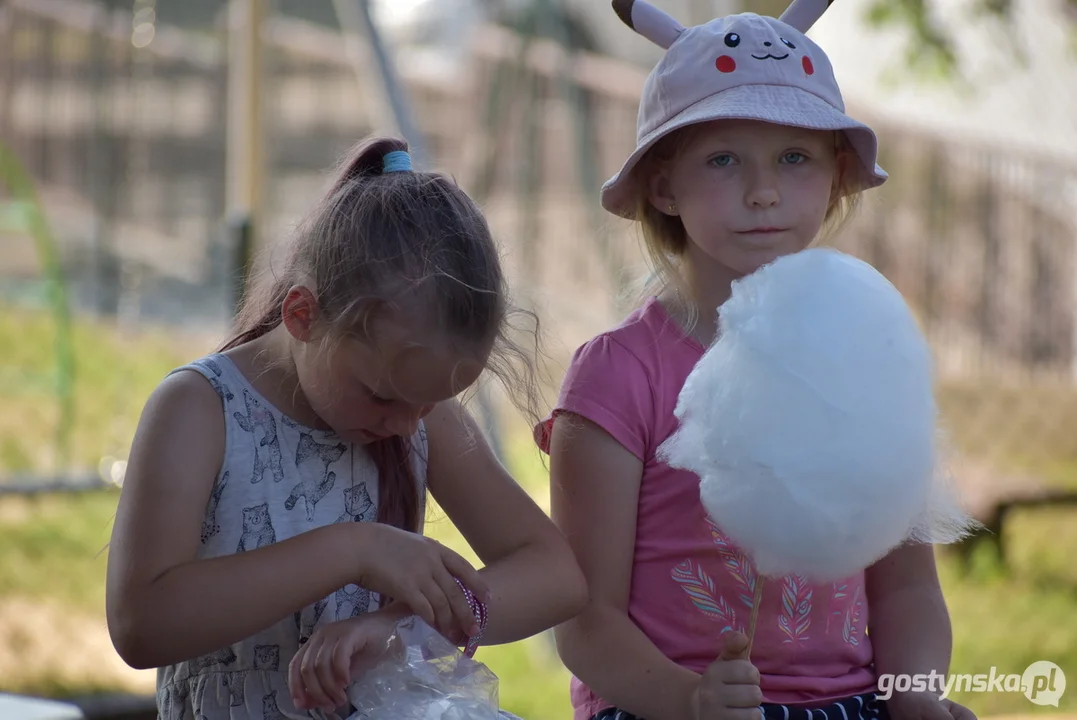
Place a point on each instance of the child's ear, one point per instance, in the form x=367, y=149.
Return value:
x=660, y=194
x=299, y=312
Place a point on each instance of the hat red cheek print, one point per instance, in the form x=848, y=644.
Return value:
x=745, y=67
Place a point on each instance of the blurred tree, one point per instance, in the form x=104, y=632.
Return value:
x=541, y=18
x=930, y=49
x=21, y=212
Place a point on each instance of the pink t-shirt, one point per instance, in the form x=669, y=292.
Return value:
x=689, y=583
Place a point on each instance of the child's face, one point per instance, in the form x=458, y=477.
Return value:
x=749, y=192
x=367, y=391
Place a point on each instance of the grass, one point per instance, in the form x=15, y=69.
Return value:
x=1010, y=616
x=53, y=548
x=51, y=554
x=113, y=375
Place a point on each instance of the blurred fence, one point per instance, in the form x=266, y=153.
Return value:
x=121, y=121
x=982, y=241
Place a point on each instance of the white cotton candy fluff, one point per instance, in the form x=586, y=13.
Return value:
x=811, y=421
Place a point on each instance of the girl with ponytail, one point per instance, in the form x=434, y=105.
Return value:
x=269, y=529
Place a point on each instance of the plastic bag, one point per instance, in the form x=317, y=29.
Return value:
x=423, y=676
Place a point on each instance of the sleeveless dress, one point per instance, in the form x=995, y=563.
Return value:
x=278, y=479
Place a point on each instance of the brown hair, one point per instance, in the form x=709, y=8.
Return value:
x=375, y=239
x=664, y=235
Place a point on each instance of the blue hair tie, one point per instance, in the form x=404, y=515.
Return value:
x=396, y=161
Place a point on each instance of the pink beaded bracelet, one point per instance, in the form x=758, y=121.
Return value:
x=478, y=609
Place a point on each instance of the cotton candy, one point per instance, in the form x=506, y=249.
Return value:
x=812, y=424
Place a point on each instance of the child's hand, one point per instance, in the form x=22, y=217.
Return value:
x=926, y=706
x=325, y=665
x=419, y=572
x=729, y=688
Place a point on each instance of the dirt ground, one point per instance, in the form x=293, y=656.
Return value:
x=41, y=640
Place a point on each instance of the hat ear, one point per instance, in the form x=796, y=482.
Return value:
x=649, y=21
x=802, y=14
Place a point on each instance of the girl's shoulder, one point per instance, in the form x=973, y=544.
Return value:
x=243, y=404
x=609, y=381
x=626, y=379
x=219, y=371
x=184, y=396
x=642, y=345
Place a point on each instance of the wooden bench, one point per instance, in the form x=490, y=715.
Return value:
x=990, y=496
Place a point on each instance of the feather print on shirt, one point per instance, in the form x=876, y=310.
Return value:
x=738, y=565
x=700, y=589
x=839, y=592
x=850, y=631
x=794, y=618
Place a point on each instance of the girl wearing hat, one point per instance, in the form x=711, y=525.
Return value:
x=744, y=154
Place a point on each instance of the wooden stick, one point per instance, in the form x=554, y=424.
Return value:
x=755, y=613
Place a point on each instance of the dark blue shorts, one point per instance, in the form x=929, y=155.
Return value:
x=857, y=707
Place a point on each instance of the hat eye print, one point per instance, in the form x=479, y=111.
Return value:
x=725, y=63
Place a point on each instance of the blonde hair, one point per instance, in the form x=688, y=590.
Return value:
x=666, y=240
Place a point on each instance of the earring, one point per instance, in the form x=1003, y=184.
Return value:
x=672, y=209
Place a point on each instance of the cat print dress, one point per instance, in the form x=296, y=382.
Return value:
x=278, y=479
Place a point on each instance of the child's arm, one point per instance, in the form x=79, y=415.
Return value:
x=910, y=630
x=908, y=621
x=534, y=580
x=164, y=605
x=594, y=483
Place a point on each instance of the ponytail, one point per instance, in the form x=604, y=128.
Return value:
x=398, y=487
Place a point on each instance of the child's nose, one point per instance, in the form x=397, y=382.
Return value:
x=766, y=196
x=761, y=189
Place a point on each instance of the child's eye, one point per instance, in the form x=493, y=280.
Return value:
x=722, y=160
x=794, y=158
